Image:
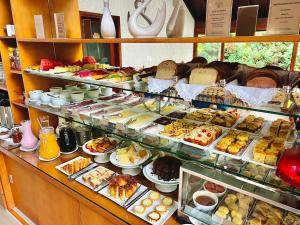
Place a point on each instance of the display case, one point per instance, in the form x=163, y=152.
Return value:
x=164, y=122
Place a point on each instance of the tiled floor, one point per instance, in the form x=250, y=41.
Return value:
x=6, y=218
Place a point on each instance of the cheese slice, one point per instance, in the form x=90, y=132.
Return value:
x=204, y=76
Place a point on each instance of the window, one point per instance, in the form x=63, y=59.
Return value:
x=210, y=51
x=297, y=67
x=260, y=54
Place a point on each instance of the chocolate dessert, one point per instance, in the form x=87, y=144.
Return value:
x=163, y=121
x=177, y=115
x=166, y=168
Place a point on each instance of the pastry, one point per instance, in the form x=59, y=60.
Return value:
x=153, y=216
x=166, y=168
x=76, y=165
x=255, y=171
x=266, y=214
x=268, y=150
x=139, y=209
x=178, y=128
x=101, y=145
x=147, y=202
x=203, y=135
x=234, y=142
x=281, y=128
x=122, y=187
x=130, y=155
x=225, y=118
x=235, y=207
x=167, y=201
x=97, y=176
x=154, y=195
x=291, y=219
x=161, y=209
x=251, y=124
x=202, y=115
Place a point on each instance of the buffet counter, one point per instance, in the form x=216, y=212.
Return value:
x=46, y=196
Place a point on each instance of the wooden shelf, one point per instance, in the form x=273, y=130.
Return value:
x=274, y=38
x=19, y=103
x=16, y=71
x=7, y=37
x=3, y=87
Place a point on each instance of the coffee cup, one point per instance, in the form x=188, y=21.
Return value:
x=77, y=96
x=35, y=94
x=56, y=90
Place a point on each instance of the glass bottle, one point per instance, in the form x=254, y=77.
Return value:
x=49, y=148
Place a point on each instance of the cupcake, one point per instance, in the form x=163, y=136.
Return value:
x=147, y=202
x=153, y=217
x=154, y=195
x=167, y=201
x=139, y=209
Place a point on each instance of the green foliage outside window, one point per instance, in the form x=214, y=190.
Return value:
x=210, y=51
x=297, y=67
x=260, y=54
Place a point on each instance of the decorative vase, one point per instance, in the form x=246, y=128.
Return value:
x=176, y=22
x=152, y=30
x=108, y=29
x=29, y=141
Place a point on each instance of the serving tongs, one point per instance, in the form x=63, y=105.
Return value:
x=84, y=170
x=104, y=183
x=133, y=199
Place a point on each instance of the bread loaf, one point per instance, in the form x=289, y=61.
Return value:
x=166, y=70
x=263, y=78
x=204, y=76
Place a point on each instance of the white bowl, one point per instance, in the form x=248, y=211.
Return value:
x=46, y=98
x=35, y=95
x=204, y=207
x=58, y=101
x=93, y=93
x=77, y=96
x=217, y=194
x=55, y=90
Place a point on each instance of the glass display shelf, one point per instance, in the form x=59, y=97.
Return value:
x=142, y=88
x=238, y=196
x=185, y=152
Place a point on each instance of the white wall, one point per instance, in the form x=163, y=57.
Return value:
x=138, y=55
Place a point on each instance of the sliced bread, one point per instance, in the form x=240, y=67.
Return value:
x=204, y=76
x=166, y=70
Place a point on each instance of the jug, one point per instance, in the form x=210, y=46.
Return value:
x=67, y=140
x=29, y=141
x=49, y=149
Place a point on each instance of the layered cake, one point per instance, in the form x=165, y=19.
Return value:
x=166, y=168
x=203, y=135
x=122, y=187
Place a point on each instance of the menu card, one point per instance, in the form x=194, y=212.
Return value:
x=39, y=26
x=284, y=17
x=246, y=20
x=59, y=20
x=218, y=17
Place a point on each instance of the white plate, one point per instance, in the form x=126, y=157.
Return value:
x=147, y=171
x=81, y=181
x=238, y=156
x=59, y=167
x=248, y=156
x=28, y=150
x=10, y=142
x=115, y=162
x=141, y=126
x=105, y=193
x=97, y=154
x=163, y=218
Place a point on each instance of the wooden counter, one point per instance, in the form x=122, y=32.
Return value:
x=46, y=196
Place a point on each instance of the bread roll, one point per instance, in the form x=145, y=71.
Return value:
x=204, y=76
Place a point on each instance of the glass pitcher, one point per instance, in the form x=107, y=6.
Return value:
x=49, y=148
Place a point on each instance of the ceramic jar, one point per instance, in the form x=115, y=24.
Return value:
x=108, y=29
x=29, y=141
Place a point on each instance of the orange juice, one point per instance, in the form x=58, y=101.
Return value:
x=49, y=148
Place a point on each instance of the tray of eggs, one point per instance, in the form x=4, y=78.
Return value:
x=154, y=208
